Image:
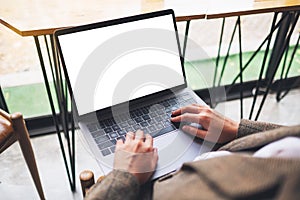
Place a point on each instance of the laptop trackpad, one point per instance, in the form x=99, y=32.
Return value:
x=174, y=149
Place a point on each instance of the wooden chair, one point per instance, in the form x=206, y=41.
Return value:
x=12, y=129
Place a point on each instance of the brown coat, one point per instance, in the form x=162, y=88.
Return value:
x=229, y=177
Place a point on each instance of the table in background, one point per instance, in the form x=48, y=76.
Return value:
x=39, y=19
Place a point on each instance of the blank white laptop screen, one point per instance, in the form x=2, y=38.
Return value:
x=117, y=63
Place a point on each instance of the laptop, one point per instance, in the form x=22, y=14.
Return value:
x=127, y=74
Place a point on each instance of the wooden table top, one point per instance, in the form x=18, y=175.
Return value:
x=41, y=17
x=229, y=8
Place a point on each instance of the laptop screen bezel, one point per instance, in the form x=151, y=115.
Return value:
x=65, y=31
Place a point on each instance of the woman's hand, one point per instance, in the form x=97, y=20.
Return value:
x=136, y=155
x=215, y=127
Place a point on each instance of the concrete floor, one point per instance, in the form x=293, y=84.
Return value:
x=16, y=183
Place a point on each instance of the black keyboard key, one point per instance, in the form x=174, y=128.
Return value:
x=172, y=98
x=160, y=112
x=105, y=152
x=174, y=108
x=162, y=131
x=145, y=111
x=131, y=122
x=107, y=123
x=158, y=119
x=145, y=130
x=116, y=120
x=153, y=114
x=138, y=119
x=159, y=126
x=136, y=127
x=168, y=110
x=101, y=139
x=172, y=102
x=115, y=127
x=138, y=113
x=123, y=124
x=166, y=117
x=152, y=128
x=92, y=127
x=121, y=132
x=121, y=138
x=108, y=130
x=113, y=135
x=114, y=141
x=102, y=125
x=105, y=145
x=165, y=104
x=98, y=126
x=167, y=123
x=132, y=115
x=112, y=149
x=155, y=107
x=145, y=117
x=124, y=116
x=98, y=133
x=129, y=129
x=144, y=124
x=151, y=122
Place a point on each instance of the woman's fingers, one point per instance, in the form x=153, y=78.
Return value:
x=136, y=155
x=139, y=135
x=129, y=137
x=138, y=141
x=187, y=117
x=194, y=131
x=203, y=134
x=189, y=108
x=193, y=108
x=155, y=157
x=119, y=144
x=149, y=140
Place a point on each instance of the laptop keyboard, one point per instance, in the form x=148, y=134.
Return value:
x=153, y=119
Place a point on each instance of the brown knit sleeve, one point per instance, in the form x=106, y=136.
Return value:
x=116, y=185
x=248, y=127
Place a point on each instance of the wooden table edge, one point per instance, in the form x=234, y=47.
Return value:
x=190, y=17
x=50, y=31
x=39, y=32
x=250, y=12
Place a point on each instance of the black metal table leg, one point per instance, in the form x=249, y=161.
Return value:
x=281, y=43
x=186, y=35
x=227, y=54
x=241, y=66
x=279, y=94
x=263, y=66
x=58, y=119
x=236, y=26
x=66, y=118
x=219, y=52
